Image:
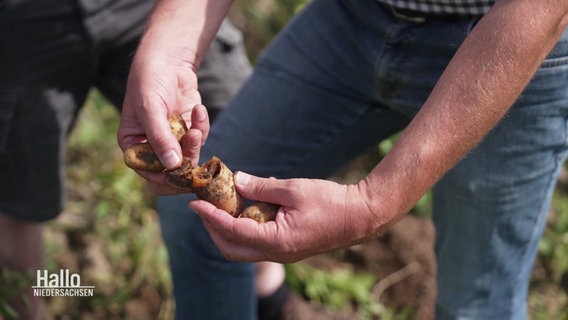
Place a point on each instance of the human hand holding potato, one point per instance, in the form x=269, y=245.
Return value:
x=162, y=81
x=142, y=157
x=315, y=216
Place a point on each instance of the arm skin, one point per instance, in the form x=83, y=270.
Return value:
x=479, y=85
x=163, y=81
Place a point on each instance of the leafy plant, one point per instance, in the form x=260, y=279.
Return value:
x=553, y=246
x=341, y=289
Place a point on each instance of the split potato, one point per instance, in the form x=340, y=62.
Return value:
x=213, y=181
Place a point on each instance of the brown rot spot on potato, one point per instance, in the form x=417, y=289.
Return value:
x=212, y=182
x=140, y=156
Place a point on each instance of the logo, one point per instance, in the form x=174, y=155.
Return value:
x=62, y=284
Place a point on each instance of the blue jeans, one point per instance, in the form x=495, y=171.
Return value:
x=343, y=76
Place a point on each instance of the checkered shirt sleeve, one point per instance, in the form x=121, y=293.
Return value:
x=443, y=7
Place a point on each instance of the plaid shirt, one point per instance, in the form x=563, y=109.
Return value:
x=443, y=7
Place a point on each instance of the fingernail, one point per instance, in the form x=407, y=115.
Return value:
x=242, y=178
x=170, y=159
x=201, y=113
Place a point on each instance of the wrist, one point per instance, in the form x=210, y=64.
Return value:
x=163, y=48
x=382, y=201
x=366, y=212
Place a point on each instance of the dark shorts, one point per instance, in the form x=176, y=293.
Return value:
x=51, y=54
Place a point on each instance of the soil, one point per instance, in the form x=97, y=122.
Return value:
x=402, y=260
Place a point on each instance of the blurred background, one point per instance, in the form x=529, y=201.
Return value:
x=109, y=232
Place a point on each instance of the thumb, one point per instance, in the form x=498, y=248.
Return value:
x=269, y=190
x=163, y=142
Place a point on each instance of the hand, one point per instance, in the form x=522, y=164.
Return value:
x=159, y=85
x=315, y=216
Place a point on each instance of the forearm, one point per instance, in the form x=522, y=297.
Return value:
x=184, y=27
x=480, y=84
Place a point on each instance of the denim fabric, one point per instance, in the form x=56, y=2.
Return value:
x=343, y=76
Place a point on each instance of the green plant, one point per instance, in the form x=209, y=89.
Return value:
x=340, y=289
x=13, y=285
x=554, y=243
x=548, y=298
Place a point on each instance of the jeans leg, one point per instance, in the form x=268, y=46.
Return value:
x=206, y=286
x=490, y=210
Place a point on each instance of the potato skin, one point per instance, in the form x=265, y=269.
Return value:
x=178, y=126
x=220, y=190
x=141, y=156
x=261, y=212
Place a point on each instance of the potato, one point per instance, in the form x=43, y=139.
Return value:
x=219, y=187
x=141, y=156
x=213, y=181
x=178, y=126
x=261, y=212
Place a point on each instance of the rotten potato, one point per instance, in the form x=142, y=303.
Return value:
x=213, y=181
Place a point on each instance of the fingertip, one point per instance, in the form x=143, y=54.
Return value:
x=194, y=207
x=242, y=178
